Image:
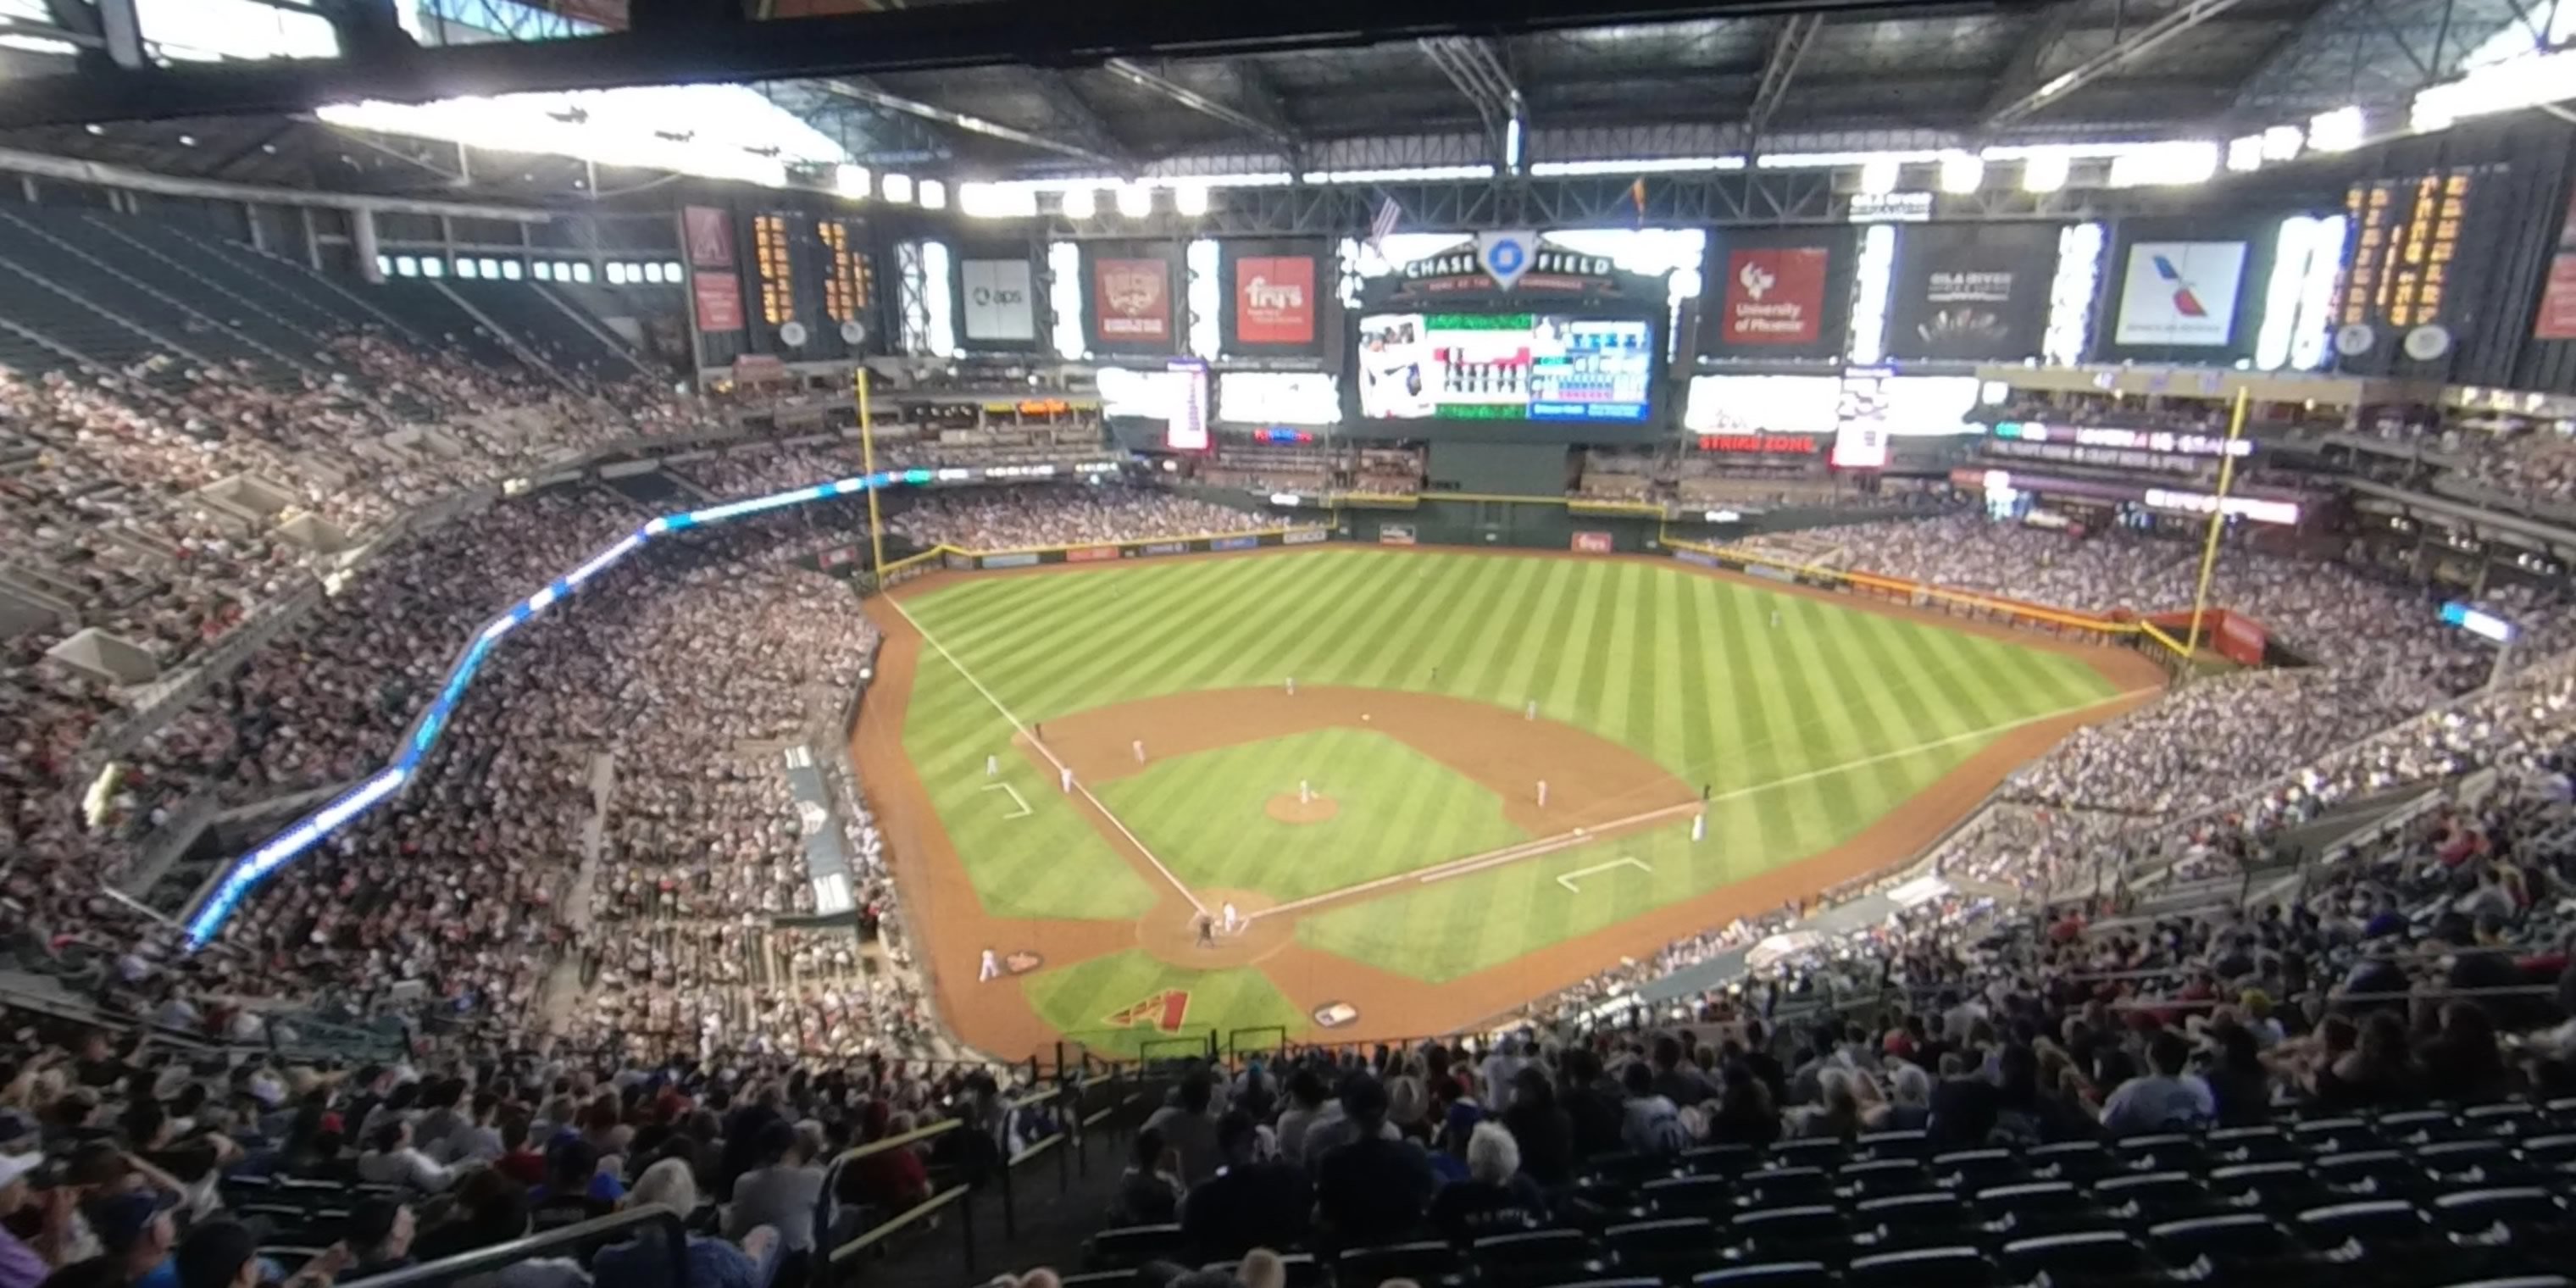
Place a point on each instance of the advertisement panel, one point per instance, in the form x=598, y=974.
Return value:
x=1304, y=537
x=1000, y=300
x=1245, y=542
x=1593, y=543
x=1131, y=302
x=2557, y=320
x=1091, y=554
x=1395, y=534
x=1775, y=296
x=1274, y=300
x=1279, y=398
x=1505, y=366
x=719, y=301
x=708, y=234
x=1763, y=405
x=2180, y=294
x=1019, y=559
x=1164, y=548
x=2241, y=639
x=1971, y=291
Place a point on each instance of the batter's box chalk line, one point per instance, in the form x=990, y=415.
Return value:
x=1566, y=879
x=1016, y=799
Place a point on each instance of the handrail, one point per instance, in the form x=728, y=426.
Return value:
x=885, y=1230
x=449, y=1269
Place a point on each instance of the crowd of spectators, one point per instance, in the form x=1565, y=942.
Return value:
x=1057, y=515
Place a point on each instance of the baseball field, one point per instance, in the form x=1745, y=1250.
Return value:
x=1362, y=793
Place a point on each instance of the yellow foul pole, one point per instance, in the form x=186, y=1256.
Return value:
x=868, y=463
x=2217, y=521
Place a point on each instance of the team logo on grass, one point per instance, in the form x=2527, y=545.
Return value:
x=1164, y=1010
x=1333, y=1015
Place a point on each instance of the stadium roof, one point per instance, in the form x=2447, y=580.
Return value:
x=1132, y=88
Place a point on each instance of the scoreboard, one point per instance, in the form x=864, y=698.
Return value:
x=1550, y=367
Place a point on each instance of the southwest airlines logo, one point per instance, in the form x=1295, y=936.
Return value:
x=2180, y=295
x=2184, y=302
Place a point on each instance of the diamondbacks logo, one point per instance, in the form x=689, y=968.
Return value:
x=1165, y=1010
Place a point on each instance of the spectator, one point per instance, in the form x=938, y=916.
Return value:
x=392, y=1160
x=645, y=1261
x=1247, y=1202
x=2169, y=1099
x=380, y=1238
x=1188, y=1125
x=1495, y=1198
x=1374, y=1189
x=1652, y=1124
x=1149, y=1192
x=1542, y=1131
x=781, y=1193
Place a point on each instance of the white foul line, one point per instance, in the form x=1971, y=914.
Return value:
x=1566, y=879
x=1061, y=767
x=1016, y=799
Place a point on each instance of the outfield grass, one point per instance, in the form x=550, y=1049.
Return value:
x=1085, y=996
x=1805, y=732
x=1399, y=810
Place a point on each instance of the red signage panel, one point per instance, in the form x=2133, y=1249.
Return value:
x=1274, y=299
x=1131, y=300
x=719, y=297
x=1775, y=295
x=708, y=233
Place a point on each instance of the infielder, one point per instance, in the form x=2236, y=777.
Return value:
x=1138, y=746
x=1064, y=775
x=1233, y=919
x=992, y=766
x=992, y=968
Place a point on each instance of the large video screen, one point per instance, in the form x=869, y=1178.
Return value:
x=1505, y=366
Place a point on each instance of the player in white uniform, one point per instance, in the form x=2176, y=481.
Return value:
x=1233, y=919
x=991, y=970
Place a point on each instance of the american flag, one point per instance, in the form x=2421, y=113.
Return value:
x=1387, y=215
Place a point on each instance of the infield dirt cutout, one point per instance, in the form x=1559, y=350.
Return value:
x=1593, y=783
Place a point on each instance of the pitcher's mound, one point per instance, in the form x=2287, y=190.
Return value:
x=1286, y=808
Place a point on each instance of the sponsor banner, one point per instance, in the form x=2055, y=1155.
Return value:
x=1771, y=573
x=1274, y=300
x=1021, y=559
x=1761, y=444
x=2180, y=294
x=2557, y=320
x=1234, y=543
x=2241, y=639
x=1000, y=300
x=1695, y=557
x=1775, y=297
x=719, y=299
x=1303, y=537
x=958, y=562
x=1091, y=554
x=1594, y=543
x=1165, y=548
x=1131, y=302
x=1395, y=534
x=1333, y=1015
x=837, y=556
x=1971, y=291
x=708, y=233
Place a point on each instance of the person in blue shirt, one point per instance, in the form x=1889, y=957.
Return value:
x=135, y=1227
x=645, y=1261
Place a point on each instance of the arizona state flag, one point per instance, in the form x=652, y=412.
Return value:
x=1637, y=198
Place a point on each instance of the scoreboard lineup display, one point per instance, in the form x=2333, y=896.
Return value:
x=1505, y=366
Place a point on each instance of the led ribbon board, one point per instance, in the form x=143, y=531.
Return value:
x=277, y=851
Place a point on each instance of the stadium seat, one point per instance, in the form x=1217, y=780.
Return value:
x=2274, y=1187
x=1538, y=1258
x=2549, y=1151
x=1882, y=1179
x=1721, y=1160
x=2234, y=1145
x=2033, y=1209
x=2510, y=1228
x=2474, y=1164
x=1303, y=1270
x=2230, y=1245
x=1971, y=1170
x=1786, y=1187
x=2080, y=1161
x=1817, y=1152
x=1915, y=1220
x=1668, y=1249
x=1631, y=1170
x=2513, y=1118
x=1768, y=1274
x=2326, y=1135
x=2418, y=1127
x=2169, y=1152
x=1814, y=1232
x=2154, y=1198
x=1708, y=1196
x=2374, y=1173
x=1426, y=1262
x=2082, y=1257
x=1126, y=1247
x=1104, y=1279
x=1882, y=1145
x=1923, y=1268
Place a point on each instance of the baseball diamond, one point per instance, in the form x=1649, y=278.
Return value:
x=1481, y=785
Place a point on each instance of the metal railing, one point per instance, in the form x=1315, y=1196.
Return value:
x=599, y=1232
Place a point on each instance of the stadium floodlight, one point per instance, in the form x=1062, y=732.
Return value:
x=897, y=188
x=2045, y=171
x=1639, y=165
x=1962, y=173
x=2283, y=142
x=851, y=181
x=2529, y=81
x=728, y=132
x=1081, y=203
x=1402, y=174
x=1878, y=175
x=2180, y=161
x=1190, y=199
x=933, y=194
x=997, y=201
x=1135, y=200
x=2342, y=129
x=2245, y=153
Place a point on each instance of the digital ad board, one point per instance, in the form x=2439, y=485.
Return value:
x=1777, y=293
x=1505, y=366
x=1971, y=292
x=1132, y=297
x=997, y=298
x=1273, y=297
x=2185, y=290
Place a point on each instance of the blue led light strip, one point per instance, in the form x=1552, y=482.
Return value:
x=249, y=870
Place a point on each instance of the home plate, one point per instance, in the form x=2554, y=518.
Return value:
x=1566, y=879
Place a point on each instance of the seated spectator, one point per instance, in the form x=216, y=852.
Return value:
x=135, y=1229
x=1149, y=1192
x=781, y=1192
x=645, y=1260
x=1541, y=1130
x=2168, y=1099
x=1188, y=1126
x=1495, y=1198
x=1652, y=1124
x=390, y=1159
x=380, y=1238
x=225, y=1254
x=1374, y=1189
x=1248, y=1201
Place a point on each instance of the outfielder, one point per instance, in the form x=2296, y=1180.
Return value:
x=992, y=766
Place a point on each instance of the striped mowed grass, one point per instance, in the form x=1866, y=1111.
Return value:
x=1802, y=732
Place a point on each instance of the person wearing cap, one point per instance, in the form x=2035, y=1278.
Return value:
x=136, y=1229
x=1250, y=1202
x=23, y=1264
